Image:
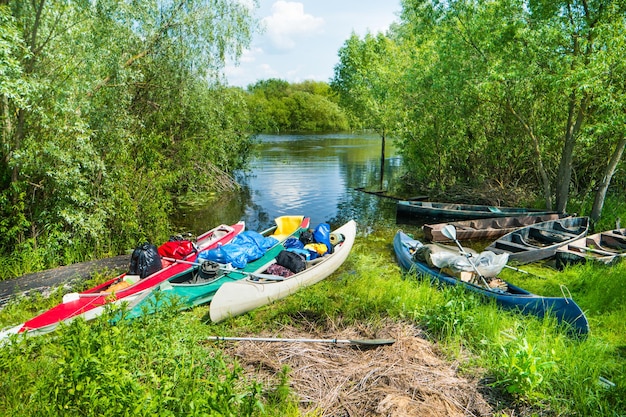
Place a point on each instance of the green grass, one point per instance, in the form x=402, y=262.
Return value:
x=152, y=366
x=157, y=366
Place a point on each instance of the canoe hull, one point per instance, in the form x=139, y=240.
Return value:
x=483, y=229
x=432, y=209
x=605, y=247
x=91, y=303
x=541, y=240
x=236, y=298
x=516, y=298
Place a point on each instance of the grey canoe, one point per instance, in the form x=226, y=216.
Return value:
x=605, y=247
x=541, y=240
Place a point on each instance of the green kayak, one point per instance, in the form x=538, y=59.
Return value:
x=198, y=285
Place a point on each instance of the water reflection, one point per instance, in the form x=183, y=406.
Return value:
x=314, y=175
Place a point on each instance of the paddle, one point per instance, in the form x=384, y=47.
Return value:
x=360, y=342
x=520, y=270
x=252, y=274
x=450, y=232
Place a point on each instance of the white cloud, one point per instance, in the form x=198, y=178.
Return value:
x=250, y=55
x=289, y=21
x=238, y=72
x=302, y=37
x=267, y=71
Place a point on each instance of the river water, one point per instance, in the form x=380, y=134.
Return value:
x=316, y=175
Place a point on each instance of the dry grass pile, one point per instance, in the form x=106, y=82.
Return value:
x=407, y=378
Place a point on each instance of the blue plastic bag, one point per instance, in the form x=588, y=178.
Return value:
x=245, y=247
x=321, y=234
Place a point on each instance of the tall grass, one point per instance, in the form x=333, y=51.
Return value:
x=612, y=210
x=152, y=366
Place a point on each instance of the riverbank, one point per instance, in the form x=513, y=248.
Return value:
x=68, y=275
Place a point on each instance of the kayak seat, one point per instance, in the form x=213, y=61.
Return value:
x=495, y=224
x=592, y=247
x=517, y=223
x=548, y=236
x=218, y=234
x=519, y=239
x=615, y=242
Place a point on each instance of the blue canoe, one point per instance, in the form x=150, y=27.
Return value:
x=514, y=298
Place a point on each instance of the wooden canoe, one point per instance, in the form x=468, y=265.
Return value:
x=460, y=211
x=90, y=304
x=238, y=297
x=190, y=289
x=605, y=247
x=514, y=298
x=490, y=228
x=541, y=240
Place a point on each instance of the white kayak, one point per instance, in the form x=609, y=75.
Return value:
x=238, y=297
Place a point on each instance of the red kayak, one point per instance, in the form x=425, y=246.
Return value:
x=124, y=288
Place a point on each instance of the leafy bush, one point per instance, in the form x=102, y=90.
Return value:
x=147, y=367
x=522, y=368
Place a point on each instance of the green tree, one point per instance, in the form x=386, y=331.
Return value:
x=366, y=80
x=583, y=48
x=278, y=106
x=100, y=107
x=529, y=83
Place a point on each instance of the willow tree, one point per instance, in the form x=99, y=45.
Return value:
x=96, y=136
x=454, y=134
x=366, y=79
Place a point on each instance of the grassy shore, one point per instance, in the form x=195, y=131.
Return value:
x=159, y=365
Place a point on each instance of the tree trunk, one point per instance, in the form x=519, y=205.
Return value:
x=382, y=160
x=545, y=181
x=598, y=202
x=574, y=123
x=7, y=128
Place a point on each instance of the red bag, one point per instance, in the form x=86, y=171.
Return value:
x=177, y=249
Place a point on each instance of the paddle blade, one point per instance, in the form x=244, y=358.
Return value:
x=449, y=231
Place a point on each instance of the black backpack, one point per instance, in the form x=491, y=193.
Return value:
x=291, y=260
x=145, y=260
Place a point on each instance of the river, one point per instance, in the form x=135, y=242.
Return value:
x=312, y=175
x=317, y=175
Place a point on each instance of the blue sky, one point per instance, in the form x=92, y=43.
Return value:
x=302, y=37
